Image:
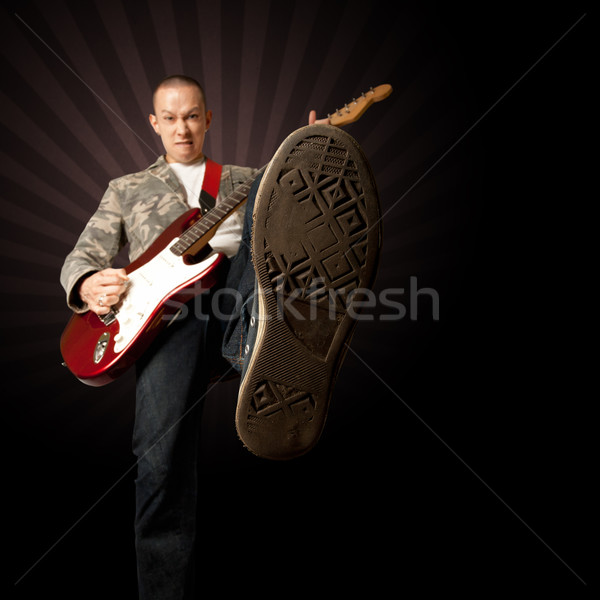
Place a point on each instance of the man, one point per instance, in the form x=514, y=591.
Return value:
x=316, y=238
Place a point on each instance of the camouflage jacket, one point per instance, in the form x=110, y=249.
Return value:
x=135, y=209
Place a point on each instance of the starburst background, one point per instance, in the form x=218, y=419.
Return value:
x=449, y=441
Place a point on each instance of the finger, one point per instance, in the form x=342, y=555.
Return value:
x=99, y=309
x=104, y=302
x=104, y=296
x=112, y=290
x=121, y=274
x=109, y=299
x=112, y=276
x=312, y=117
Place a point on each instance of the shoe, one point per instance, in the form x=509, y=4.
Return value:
x=315, y=245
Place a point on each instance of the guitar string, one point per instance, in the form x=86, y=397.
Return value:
x=365, y=364
x=448, y=447
x=107, y=105
x=114, y=485
x=460, y=139
x=84, y=82
x=188, y=191
x=99, y=500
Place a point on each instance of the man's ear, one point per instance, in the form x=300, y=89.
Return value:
x=154, y=122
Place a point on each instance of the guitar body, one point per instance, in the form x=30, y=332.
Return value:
x=98, y=350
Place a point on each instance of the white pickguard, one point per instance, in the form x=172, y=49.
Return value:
x=149, y=286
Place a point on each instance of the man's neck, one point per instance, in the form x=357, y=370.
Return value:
x=196, y=160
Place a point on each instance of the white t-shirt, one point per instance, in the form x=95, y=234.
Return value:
x=229, y=234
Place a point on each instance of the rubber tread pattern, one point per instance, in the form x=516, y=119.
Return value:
x=316, y=243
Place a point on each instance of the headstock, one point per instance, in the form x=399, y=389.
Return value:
x=352, y=111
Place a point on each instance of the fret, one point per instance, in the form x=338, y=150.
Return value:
x=214, y=217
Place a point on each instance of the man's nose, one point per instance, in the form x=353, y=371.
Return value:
x=182, y=126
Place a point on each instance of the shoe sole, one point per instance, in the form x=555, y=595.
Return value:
x=316, y=237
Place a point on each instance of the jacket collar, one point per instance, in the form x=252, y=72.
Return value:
x=161, y=170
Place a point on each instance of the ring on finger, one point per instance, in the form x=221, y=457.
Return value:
x=101, y=300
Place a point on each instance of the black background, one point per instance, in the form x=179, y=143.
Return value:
x=455, y=453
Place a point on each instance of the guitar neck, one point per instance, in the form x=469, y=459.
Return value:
x=198, y=235
x=208, y=224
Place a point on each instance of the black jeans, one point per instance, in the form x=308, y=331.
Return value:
x=172, y=378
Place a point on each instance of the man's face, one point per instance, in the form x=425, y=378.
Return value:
x=181, y=120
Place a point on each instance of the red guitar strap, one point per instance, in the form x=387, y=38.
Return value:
x=210, y=185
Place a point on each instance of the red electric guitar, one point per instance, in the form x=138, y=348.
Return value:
x=171, y=272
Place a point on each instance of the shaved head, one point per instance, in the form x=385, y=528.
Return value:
x=175, y=81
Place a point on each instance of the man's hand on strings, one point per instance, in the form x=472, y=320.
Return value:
x=104, y=289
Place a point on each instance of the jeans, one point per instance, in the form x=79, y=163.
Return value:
x=242, y=279
x=172, y=377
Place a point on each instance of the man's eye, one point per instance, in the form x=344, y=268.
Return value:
x=193, y=117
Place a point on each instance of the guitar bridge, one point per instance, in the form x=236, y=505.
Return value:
x=108, y=318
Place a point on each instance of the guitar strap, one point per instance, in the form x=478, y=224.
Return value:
x=210, y=185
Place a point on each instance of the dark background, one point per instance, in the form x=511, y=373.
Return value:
x=455, y=453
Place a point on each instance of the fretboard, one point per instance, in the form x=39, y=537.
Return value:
x=214, y=217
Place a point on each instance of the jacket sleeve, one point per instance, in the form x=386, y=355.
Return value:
x=96, y=247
